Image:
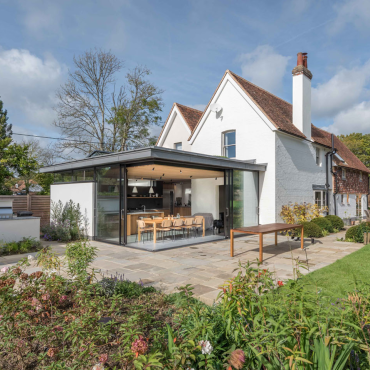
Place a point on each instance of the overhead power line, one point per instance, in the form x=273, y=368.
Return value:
x=59, y=138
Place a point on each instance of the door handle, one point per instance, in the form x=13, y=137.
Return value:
x=227, y=212
x=122, y=213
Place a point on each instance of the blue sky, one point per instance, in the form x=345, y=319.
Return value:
x=188, y=45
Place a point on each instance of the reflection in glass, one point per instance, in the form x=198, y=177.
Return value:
x=245, y=198
x=107, y=203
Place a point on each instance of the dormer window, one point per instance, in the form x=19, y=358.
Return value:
x=178, y=146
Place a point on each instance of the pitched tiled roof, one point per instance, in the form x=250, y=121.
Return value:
x=191, y=115
x=280, y=113
x=323, y=137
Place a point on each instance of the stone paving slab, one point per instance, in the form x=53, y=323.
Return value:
x=207, y=266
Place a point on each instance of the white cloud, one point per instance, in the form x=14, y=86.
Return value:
x=341, y=92
x=356, y=12
x=264, y=67
x=29, y=83
x=355, y=119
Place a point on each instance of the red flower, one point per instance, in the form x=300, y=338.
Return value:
x=280, y=283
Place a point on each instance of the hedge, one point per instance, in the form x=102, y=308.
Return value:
x=312, y=230
x=324, y=224
x=336, y=221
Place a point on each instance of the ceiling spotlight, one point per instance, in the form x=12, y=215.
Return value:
x=191, y=176
x=163, y=175
x=216, y=178
x=153, y=169
x=180, y=171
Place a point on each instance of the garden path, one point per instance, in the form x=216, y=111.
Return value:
x=207, y=266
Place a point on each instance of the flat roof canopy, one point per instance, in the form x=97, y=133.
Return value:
x=165, y=155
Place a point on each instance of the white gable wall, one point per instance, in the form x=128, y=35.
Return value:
x=177, y=133
x=254, y=139
x=296, y=171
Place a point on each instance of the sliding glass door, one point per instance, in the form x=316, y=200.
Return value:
x=244, y=198
x=107, y=205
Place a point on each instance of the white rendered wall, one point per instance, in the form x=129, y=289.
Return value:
x=82, y=193
x=205, y=196
x=178, y=133
x=254, y=140
x=302, y=103
x=347, y=210
x=19, y=228
x=296, y=171
x=364, y=204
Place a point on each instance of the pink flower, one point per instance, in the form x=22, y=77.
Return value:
x=45, y=297
x=139, y=346
x=63, y=298
x=103, y=358
x=5, y=269
x=237, y=359
x=36, y=303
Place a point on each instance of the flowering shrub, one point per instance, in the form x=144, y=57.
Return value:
x=295, y=213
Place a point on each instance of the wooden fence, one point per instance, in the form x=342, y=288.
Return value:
x=38, y=204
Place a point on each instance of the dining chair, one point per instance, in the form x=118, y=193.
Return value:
x=197, y=224
x=188, y=225
x=165, y=227
x=143, y=230
x=176, y=226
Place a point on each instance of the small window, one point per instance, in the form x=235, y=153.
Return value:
x=178, y=146
x=360, y=176
x=320, y=198
x=342, y=198
x=343, y=173
x=229, y=144
x=318, y=157
x=359, y=205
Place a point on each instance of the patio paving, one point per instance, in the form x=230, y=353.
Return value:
x=207, y=266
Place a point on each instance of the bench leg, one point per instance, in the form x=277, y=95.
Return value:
x=231, y=243
x=261, y=247
x=302, y=238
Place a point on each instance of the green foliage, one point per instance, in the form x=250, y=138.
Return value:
x=312, y=230
x=79, y=256
x=23, y=246
x=324, y=223
x=356, y=233
x=336, y=221
x=359, y=144
x=67, y=222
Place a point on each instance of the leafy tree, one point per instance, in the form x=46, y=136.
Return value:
x=94, y=115
x=359, y=144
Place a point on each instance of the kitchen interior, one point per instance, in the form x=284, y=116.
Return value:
x=161, y=191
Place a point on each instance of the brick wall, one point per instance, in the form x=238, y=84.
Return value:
x=352, y=183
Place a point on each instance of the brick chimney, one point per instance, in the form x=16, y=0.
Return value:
x=302, y=95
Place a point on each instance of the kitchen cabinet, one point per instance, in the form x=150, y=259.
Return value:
x=184, y=211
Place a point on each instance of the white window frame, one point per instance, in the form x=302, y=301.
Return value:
x=344, y=174
x=318, y=156
x=223, y=146
x=358, y=205
x=176, y=144
x=323, y=200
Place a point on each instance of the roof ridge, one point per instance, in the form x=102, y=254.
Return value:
x=259, y=87
x=186, y=106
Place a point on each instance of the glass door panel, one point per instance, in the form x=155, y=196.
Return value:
x=108, y=203
x=123, y=208
x=245, y=198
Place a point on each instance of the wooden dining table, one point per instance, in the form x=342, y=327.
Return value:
x=159, y=221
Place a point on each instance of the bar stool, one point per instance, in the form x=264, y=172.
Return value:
x=188, y=225
x=143, y=230
x=176, y=226
x=165, y=226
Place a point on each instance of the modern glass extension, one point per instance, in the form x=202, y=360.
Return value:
x=158, y=203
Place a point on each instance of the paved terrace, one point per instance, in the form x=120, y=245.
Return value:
x=207, y=266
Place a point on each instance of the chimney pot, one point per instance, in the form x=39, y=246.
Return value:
x=304, y=60
x=299, y=59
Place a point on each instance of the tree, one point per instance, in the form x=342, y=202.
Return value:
x=93, y=116
x=359, y=144
x=137, y=110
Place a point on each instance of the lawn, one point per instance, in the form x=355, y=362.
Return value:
x=344, y=275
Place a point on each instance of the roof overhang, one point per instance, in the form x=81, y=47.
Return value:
x=177, y=157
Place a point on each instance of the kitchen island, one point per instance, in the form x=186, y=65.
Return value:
x=133, y=217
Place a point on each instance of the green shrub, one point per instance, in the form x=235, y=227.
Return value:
x=324, y=223
x=336, y=221
x=356, y=233
x=131, y=289
x=23, y=246
x=312, y=230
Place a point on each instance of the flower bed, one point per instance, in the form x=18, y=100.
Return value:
x=24, y=246
x=51, y=322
